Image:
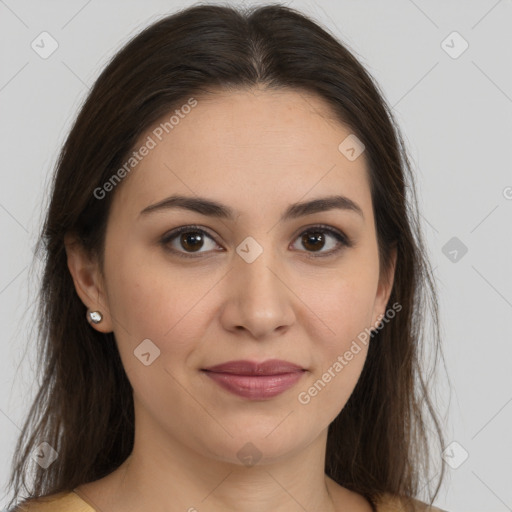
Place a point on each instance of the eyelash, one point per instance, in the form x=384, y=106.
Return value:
x=342, y=239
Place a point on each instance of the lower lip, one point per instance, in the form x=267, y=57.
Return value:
x=256, y=388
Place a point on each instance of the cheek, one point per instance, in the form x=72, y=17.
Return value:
x=150, y=303
x=137, y=290
x=156, y=301
x=339, y=356
x=345, y=305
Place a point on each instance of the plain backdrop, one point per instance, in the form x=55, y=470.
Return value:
x=444, y=67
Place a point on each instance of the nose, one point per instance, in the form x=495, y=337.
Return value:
x=259, y=301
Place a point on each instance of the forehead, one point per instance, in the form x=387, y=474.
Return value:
x=244, y=147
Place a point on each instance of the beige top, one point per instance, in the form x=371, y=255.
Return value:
x=72, y=502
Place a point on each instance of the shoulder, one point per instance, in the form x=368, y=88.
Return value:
x=67, y=501
x=390, y=503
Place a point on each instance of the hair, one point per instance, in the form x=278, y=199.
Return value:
x=379, y=442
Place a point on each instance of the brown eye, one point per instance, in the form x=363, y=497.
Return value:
x=315, y=239
x=191, y=240
x=187, y=240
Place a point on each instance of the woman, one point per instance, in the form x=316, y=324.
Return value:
x=233, y=300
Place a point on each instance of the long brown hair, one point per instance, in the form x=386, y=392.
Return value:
x=379, y=443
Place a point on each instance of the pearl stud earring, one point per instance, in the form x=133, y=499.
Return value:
x=94, y=317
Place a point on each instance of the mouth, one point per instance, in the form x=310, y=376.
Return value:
x=265, y=368
x=256, y=381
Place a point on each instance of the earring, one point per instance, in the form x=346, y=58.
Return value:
x=94, y=317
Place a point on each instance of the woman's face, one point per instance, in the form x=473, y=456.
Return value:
x=257, y=285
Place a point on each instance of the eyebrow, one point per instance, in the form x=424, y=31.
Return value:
x=212, y=208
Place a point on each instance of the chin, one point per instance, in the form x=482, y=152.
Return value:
x=258, y=444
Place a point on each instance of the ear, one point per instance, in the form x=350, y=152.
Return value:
x=88, y=280
x=384, y=288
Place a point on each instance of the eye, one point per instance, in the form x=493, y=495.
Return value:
x=187, y=241
x=189, y=238
x=317, y=238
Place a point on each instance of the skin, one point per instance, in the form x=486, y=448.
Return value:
x=258, y=152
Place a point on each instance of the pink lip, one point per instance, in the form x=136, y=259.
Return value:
x=256, y=380
x=268, y=367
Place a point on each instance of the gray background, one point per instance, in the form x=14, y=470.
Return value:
x=456, y=116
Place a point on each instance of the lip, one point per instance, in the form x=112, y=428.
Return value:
x=256, y=381
x=268, y=367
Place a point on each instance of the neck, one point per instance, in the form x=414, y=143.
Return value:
x=177, y=478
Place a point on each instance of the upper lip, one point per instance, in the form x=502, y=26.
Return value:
x=268, y=367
